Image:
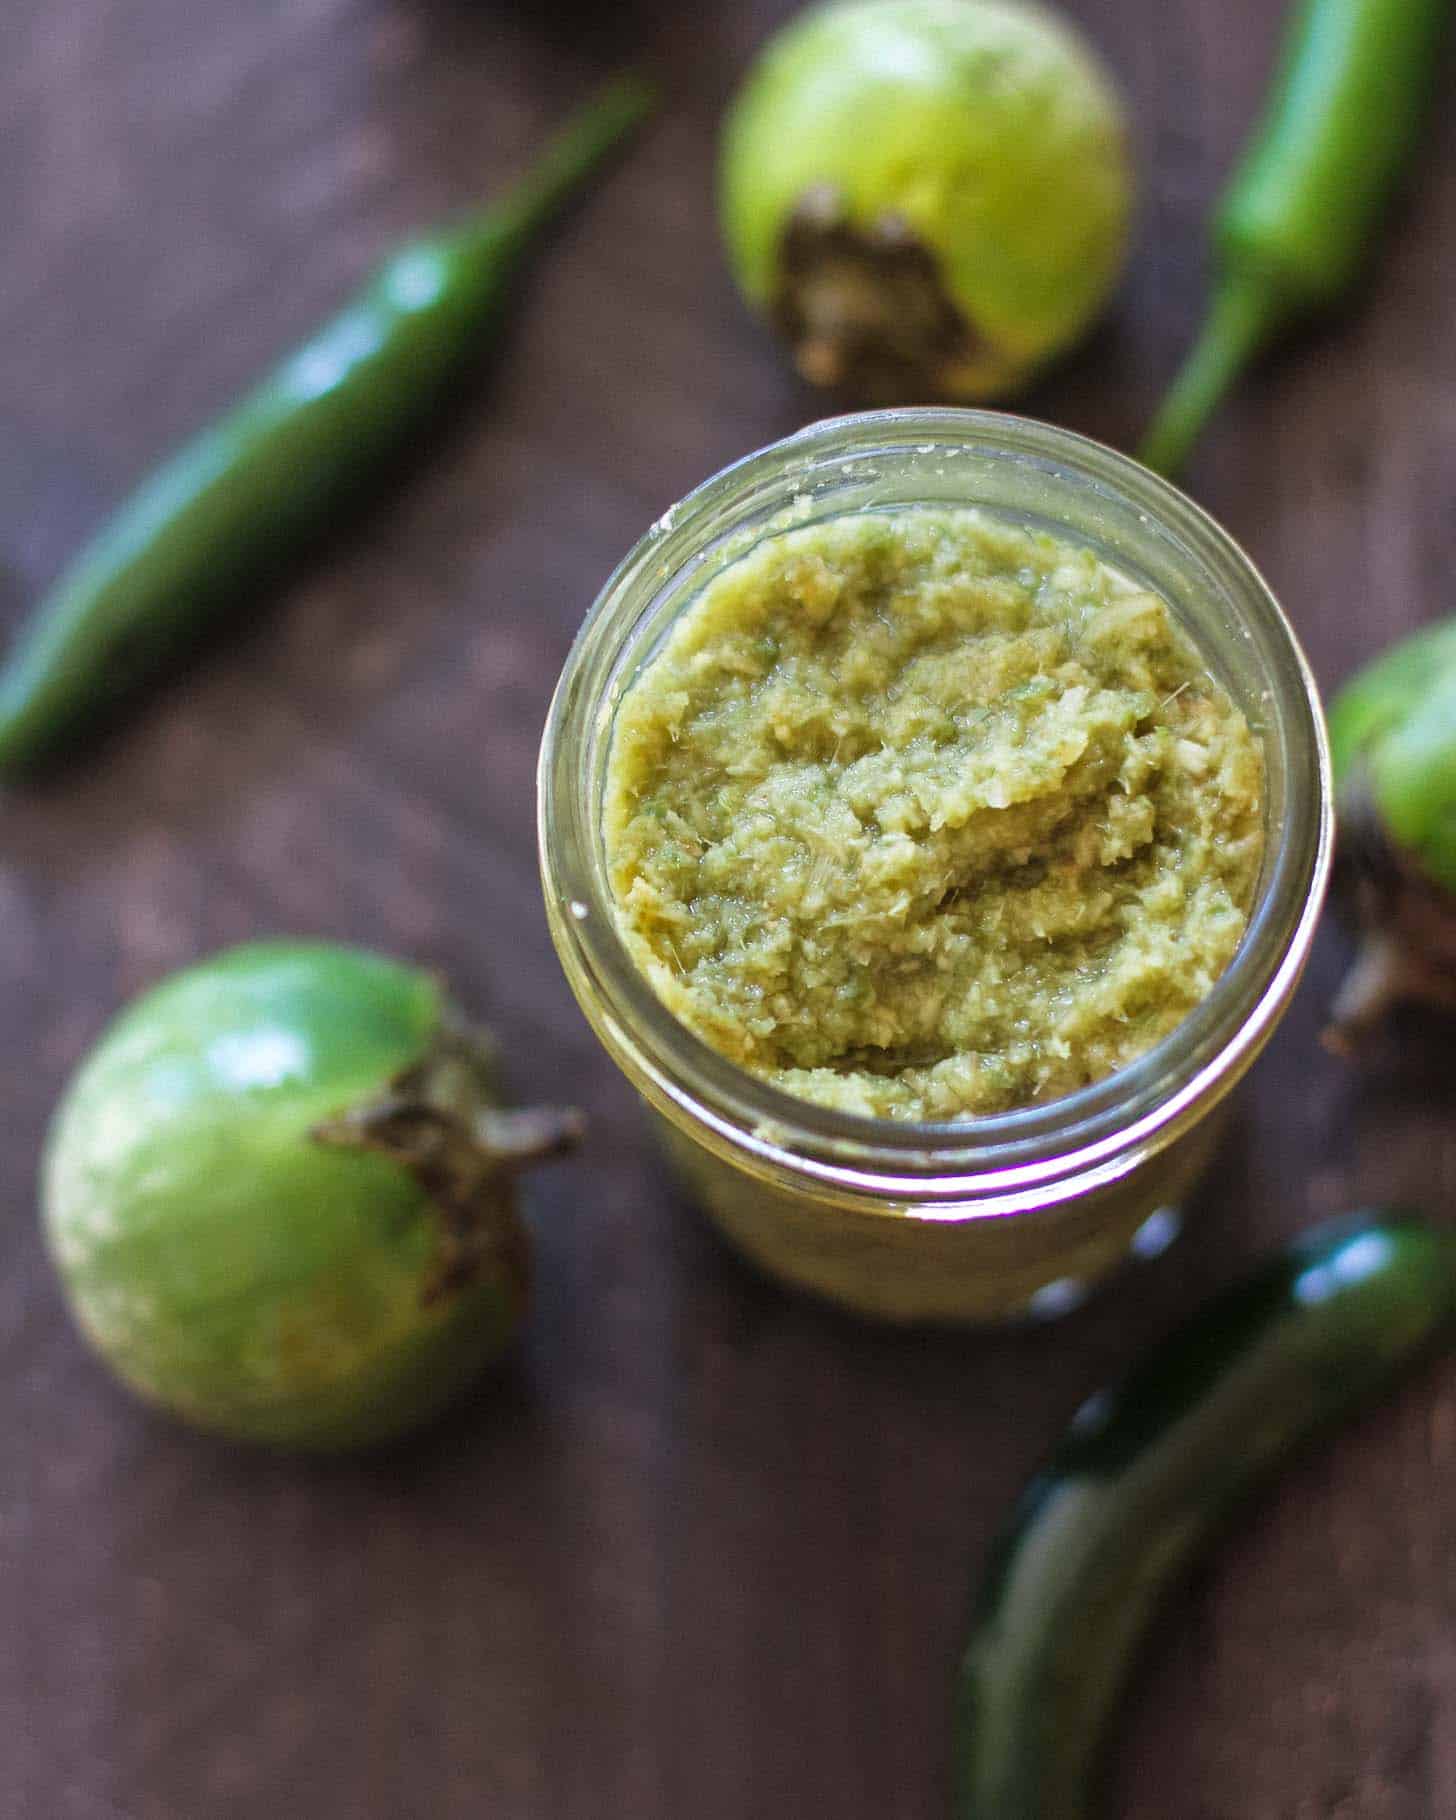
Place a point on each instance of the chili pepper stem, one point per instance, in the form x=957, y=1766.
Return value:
x=1241, y=320
x=556, y=174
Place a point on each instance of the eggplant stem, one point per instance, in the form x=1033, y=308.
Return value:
x=516, y=1137
x=438, y=1122
x=1384, y=975
x=866, y=308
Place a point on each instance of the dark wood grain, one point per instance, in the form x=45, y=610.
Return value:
x=704, y=1551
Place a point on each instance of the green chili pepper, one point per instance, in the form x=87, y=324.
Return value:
x=1145, y=1475
x=236, y=504
x=1296, y=219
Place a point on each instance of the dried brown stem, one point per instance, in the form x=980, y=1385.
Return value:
x=440, y=1122
x=1408, y=923
x=866, y=311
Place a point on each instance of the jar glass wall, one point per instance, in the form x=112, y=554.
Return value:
x=981, y=1218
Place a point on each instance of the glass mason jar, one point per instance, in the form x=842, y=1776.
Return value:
x=985, y=1218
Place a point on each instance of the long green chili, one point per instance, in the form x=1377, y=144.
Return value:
x=1297, y=217
x=1147, y=1473
x=248, y=495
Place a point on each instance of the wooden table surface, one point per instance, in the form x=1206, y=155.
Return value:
x=704, y=1549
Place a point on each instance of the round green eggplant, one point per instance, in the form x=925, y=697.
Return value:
x=928, y=199
x=279, y=1197
x=1393, y=735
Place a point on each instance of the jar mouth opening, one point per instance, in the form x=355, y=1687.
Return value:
x=846, y=463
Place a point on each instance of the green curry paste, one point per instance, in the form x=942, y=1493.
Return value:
x=925, y=815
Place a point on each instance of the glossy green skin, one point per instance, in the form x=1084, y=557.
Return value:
x=1144, y=1478
x=1299, y=213
x=1397, y=721
x=225, y=1263
x=987, y=125
x=250, y=494
x=1344, y=113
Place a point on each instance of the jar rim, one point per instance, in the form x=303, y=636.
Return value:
x=997, y=1160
